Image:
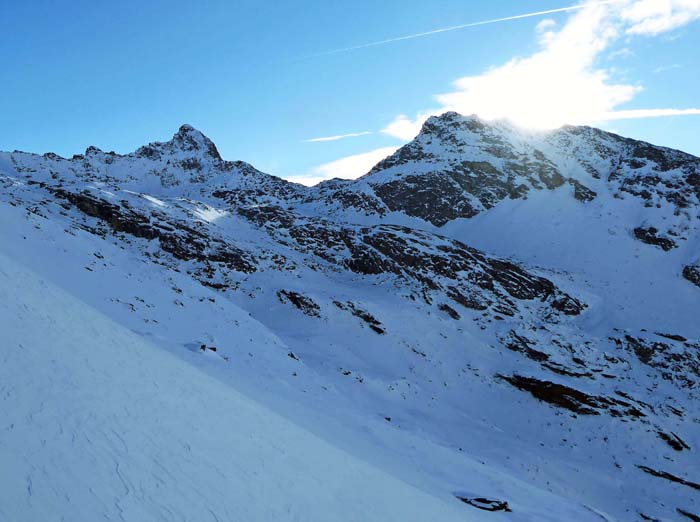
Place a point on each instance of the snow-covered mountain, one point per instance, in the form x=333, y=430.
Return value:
x=492, y=323
x=458, y=167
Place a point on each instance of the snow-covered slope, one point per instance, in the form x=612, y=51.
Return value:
x=99, y=424
x=556, y=372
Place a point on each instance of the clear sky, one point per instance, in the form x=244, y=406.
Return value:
x=258, y=78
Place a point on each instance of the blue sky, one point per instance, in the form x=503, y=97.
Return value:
x=253, y=77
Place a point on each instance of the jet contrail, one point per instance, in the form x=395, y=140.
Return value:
x=464, y=26
x=338, y=137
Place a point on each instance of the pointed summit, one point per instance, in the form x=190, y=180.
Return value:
x=190, y=139
x=187, y=140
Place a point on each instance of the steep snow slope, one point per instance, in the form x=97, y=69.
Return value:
x=98, y=424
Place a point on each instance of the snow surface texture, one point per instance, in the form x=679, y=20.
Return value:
x=564, y=386
x=99, y=424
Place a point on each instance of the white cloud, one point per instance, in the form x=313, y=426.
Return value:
x=651, y=17
x=349, y=167
x=405, y=128
x=624, y=52
x=545, y=25
x=665, y=68
x=545, y=31
x=338, y=137
x=309, y=181
x=562, y=82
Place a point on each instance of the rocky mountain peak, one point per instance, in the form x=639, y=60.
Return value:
x=449, y=124
x=454, y=118
x=460, y=166
x=187, y=141
x=186, y=128
x=92, y=150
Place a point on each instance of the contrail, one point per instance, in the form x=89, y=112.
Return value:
x=463, y=26
x=338, y=137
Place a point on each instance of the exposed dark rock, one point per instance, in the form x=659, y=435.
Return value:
x=560, y=369
x=688, y=515
x=368, y=318
x=191, y=164
x=581, y=192
x=672, y=337
x=692, y=274
x=430, y=197
x=521, y=344
x=471, y=302
x=651, y=236
x=266, y=215
x=571, y=399
x=657, y=155
x=304, y=303
x=449, y=311
x=118, y=218
x=341, y=193
x=643, y=351
x=673, y=440
x=668, y=476
x=568, y=305
x=485, y=503
x=179, y=239
x=673, y=359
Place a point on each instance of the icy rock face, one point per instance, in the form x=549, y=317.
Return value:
x=569, y=333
